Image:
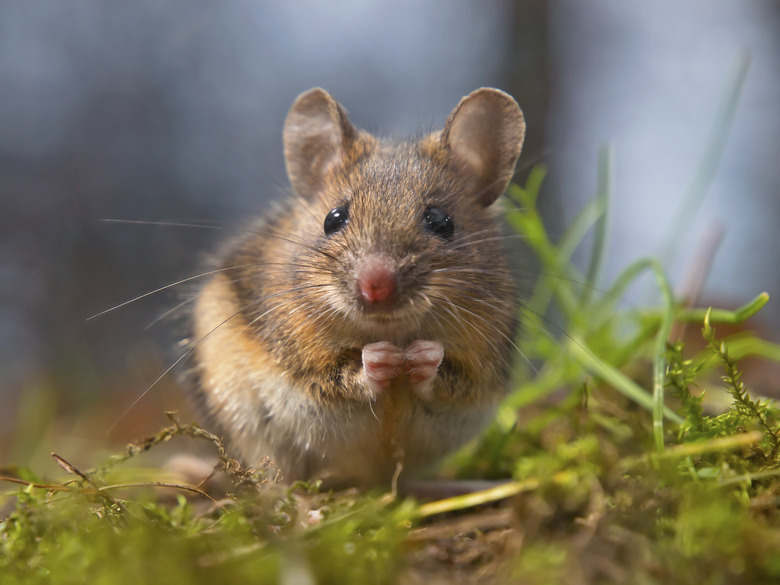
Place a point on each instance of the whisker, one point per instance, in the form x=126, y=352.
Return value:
x=165, y=287
x=222, y=226
x=459, y=269
x=563, y=332
x=209, y=273
x=465, y=237
x=532, y=160
x=491, y=239
x=486, y=322
x=290, y=315
x=459, y=285
x=304, y=245
x=488, y=187
x=289, y=191
x=303, y=203
x=202, y=224
x=293, y=268
x=168, y=313
x=455, y=270
x=462, y=322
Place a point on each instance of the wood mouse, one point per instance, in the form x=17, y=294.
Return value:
x=364, y=326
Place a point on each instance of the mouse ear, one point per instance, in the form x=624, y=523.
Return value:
x=316, y=136
x=484, y=135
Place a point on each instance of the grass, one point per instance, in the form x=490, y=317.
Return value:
x=626, y=456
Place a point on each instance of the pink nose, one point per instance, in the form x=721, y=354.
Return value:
x=376, y=279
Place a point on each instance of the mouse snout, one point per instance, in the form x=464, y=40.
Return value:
x=376, y=279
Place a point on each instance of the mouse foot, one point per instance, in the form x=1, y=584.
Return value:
x=422, y=360
x=381, y=364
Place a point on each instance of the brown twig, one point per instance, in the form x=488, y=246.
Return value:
x=164, y=484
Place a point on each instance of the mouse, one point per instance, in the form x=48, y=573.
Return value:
x=362, y=328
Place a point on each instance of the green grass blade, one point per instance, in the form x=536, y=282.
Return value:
x=620, y=381
x=604, y=199
x=715, y=144
x=723, y=316
x=659, y=351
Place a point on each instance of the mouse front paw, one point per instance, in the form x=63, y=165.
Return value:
x=382, y=363
x=422, y=361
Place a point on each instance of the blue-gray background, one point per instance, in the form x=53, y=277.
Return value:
x=172, y=110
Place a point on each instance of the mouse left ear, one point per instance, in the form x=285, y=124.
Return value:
x=484, y=136
x=316, y=137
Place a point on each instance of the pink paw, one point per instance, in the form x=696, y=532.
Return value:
x=422, y=360
x=381, y=363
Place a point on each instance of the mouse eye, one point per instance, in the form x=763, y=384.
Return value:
x=439, y=223
x=336, y=219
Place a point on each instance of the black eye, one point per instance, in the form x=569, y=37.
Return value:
x=336, y=219
x=439, y=223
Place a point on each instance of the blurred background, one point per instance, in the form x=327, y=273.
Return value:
x=166, y=111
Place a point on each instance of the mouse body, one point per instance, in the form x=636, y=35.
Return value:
x=363, y=327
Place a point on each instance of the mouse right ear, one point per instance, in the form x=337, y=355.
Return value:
x=316, y=138
x=484, y=135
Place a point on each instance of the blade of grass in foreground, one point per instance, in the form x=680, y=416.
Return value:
x=601, y=229
x=724, y=316
x=715, y=144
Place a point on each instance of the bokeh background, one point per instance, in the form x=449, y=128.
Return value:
x=172, y=110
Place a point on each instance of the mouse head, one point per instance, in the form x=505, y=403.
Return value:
x=397, y=215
